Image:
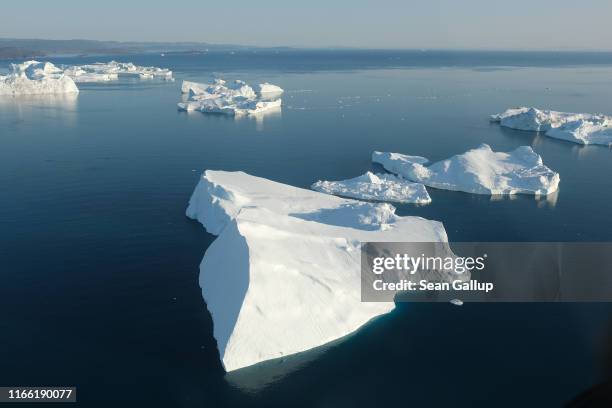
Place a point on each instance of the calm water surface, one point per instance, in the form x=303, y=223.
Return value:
x=99, y=265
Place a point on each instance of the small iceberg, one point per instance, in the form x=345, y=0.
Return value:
x=581, y=128
x=36, y=78
x=283, y=275
x=376, y=187
x=234, y=98
x=478, y=171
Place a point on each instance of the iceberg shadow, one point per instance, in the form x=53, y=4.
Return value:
x=224, y=295
x=348, y=215
x=266, y=374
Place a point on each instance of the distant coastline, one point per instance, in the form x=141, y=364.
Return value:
x=30, y=48
x=22, y=48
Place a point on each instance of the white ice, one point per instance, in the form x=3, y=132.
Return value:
x=582, y=128
x=36, y=78
x=283, y=275
x=110, y=71
x=478, y=171
x=233, y=98
x=377, y=187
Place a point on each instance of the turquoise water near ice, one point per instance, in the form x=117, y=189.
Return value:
x=99, y=265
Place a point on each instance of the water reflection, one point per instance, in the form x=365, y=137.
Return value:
x=273, y=113
x=548, y=201
x=582, y=152
x=21, y=108
x=543, y=201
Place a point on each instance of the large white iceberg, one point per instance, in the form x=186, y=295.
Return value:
x=36, y=78
x=234, y=98
x=479, y=171
x=283, y=275
x=111, y=71
x=377, y=187
x=582, y=128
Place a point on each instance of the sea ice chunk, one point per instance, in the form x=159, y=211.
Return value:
x=378, y=187
x=479, y=171
x=283, y=276
x=35, y=78
x=582, y=128
x=234, y=98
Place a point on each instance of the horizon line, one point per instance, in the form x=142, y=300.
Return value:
x=320, y=47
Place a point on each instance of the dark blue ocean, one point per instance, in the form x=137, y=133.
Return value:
x=99, y=265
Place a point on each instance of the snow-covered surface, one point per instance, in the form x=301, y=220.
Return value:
x=283, y=275
x=378, y=187
x=111, y=71
x=36, y=78
x=582, y=128
x=233, y=98
x=479, y=171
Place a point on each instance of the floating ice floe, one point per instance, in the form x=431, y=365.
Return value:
x=377, y=187
x=582, y=128
x=478, y=171
x=234, y=98
x=36, y=78
x=111, y=71
x=283, y=275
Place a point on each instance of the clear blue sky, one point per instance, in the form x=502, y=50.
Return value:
x=478, y=24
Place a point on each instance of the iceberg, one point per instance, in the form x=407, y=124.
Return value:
x=33, y=77
x=234, y=98
x=81, y=75
x=376, y=187
x=478, y=171
x=283, y=275
x=111, y=71
x=581, y=128
x=36, y=78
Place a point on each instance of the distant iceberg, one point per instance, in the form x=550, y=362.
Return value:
x=582, y=128
x=283, y=275
x=478, y=171
x=111, y=71
x=36, y=78
x=234, y=98
x=377, y=187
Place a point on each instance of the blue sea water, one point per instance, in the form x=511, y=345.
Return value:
x=99, y=265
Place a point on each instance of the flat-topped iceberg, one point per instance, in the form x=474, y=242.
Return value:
x=234, y=98
x=478, y=171
x=376, y=187
x=582, y=128
x=36, y=78
x=283, y=275
x=111, y=71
